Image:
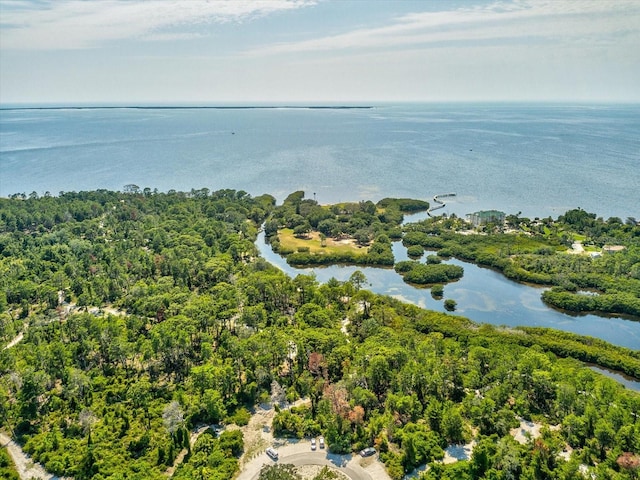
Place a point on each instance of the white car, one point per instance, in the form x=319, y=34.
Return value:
x=367, y=452
x=272, y=453
x=313, y=444
x=321, y=442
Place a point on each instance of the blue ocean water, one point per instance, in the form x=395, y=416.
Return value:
x=540, y=160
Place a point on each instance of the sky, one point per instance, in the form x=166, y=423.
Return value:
x=322, y=51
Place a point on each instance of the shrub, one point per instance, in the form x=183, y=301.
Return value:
x=437, y=291
x=240, y=417
x=232, y=441
x=428, y=274
x=433, y=260
x=405, y=266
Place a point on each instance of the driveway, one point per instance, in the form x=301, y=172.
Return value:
x=299, y=453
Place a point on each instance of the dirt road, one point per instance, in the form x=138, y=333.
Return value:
x=25, y=466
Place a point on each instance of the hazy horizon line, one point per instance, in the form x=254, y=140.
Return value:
x=230, y=105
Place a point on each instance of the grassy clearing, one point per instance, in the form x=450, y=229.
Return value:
x=577, y=237
x=511, y=244
x=289, y=241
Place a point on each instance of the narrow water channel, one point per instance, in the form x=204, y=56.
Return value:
x=482, y=294
x=629, y=382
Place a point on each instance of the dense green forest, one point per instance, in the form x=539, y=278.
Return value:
x=148, y=314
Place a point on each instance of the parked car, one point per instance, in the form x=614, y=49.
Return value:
x=321, y=442
x=313, y=444
x=367, y=452
x=273, y=454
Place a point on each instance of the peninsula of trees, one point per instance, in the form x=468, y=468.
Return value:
x=129, y=319
x=360, y=233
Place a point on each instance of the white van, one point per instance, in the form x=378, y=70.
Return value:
x=272, y=453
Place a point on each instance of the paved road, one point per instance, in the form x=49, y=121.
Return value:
x=340, y=462
x=300, y=453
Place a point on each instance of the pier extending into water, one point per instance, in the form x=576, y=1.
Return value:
x=441, y=204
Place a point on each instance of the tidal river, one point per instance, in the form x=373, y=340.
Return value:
x=482, y=295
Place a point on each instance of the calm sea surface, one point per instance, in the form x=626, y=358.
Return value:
x=539, y=160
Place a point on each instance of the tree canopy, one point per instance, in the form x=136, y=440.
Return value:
x=148, y=315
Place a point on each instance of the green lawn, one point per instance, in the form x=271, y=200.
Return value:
x=289, y=241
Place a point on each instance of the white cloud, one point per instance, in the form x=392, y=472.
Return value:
x=509, y=49
x=169, y=37
x=587, y=21
x=73, y=24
